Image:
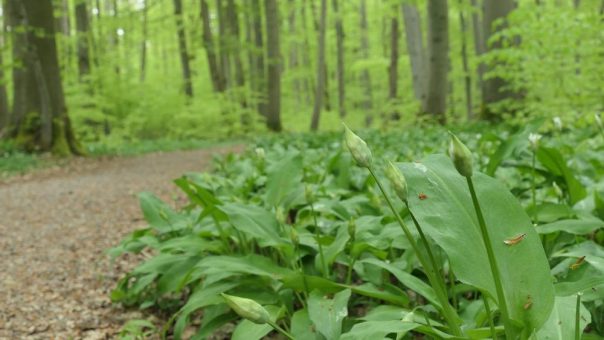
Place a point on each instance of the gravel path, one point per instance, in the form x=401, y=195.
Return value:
x=54, y=229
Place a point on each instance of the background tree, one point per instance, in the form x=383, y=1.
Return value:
x=273, y=109
x=316, y=113
x=183, y=50
x=438, y=51
x=82, y=29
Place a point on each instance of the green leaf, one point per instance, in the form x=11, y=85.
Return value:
x=302, y=327
x=407, y=280
x=379, y=329
x=576, y=227
x=327, y=314
x=284, y=178
x=255, y=222
x=448, y=216
x=157, y=213
x=247, y=330
x=553, y=160
x=561, y=322
x=250, y=264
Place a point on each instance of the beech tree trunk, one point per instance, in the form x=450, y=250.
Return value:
x=273, y=110
x=4, y=106
x=223, y=33
x=438, y=51
x=235, y=45
x=82, y=28
x=183, y=50
x=416, y=50
x=340, y=59
x=259, y=68
x=393, y=68
x=145, y=33
x=464, y=62
x=493, y=90
x=365, y=76
x=216, y=76
x=42, y=123
x=479, y=41
x=314, y=125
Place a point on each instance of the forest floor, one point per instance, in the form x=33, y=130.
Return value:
x=55, y=228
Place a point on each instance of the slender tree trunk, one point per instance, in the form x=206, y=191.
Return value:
x=82, y=28
x=314, y=125
x=235, y=42
x=218, y=82
x=464, y=62
x=438, y=49
x=308, y=80
x=317, y=26
x=223, y=34
x=393, y=68
x=273, y=113
x=4, y=105
x=183, y=50
x=340, y=58
x=494, y=88
x=416, y=50
x=41, y=81
x=479, y=41
x=259, y=67
x=145, y=33
x=365, y=76
x=293, y=50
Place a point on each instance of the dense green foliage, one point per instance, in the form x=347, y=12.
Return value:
x=294, y=225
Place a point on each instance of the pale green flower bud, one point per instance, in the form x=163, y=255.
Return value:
x=358, y=148
x=295, y=237
x=352, y=229
x=534, y=139
x=397, y=180
x=461, y=156
x=558, y=191
x=248, y=309
x=598, y=120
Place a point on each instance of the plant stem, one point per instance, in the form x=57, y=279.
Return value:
x=489, y=315
x=533, y=188
x=323, y=263
x=349, y=272
x=578, y=318
x=281, y=330
x=448, y=312
x=509, y=330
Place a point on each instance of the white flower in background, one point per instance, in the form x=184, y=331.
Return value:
x=558, y=123
x=534, y=139
x=120, y=31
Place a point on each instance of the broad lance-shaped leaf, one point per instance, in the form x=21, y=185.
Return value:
x=327, y=314
x=561, y=323
x=446, y=214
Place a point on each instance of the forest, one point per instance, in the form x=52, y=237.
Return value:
x=302, y=169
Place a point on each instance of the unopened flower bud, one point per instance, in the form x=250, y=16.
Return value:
x=308, y=194
x=295, y=237
x=397, y=180
x=280, y=215
x=558, y=123
x=598, y=120
x=461, y=156
x=358, y=148
x=352, y=229
x=248, y=309
x=260, y=153
x=557, y=190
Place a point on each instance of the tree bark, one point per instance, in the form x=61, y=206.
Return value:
x=393, y=68
x=259, y=67
x=224, y=50
x=416, y=50
x=365, y=76
x=183, y=50
x=4, y=105
x=40, y=79
x=273, y=112
x=479, y=41
x=438, y=49
x=314, y=125
x=145, y=33
x=464, y=62
x=235, y=39
x=493, y=90
x=216, y=76
x=82, y=28
x=340, y=59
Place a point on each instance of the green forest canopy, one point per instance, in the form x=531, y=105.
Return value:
x=145, y=69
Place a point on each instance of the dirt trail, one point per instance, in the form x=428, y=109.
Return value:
x=54, y=229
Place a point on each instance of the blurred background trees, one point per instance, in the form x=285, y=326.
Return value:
x=93, y=70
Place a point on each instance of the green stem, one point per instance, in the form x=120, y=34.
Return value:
x=533, y=188
x=485, y=299
x=323, y=263
x=281, y=330
x=349, y=273
x=448, y=312
x=509, y=330
x=578, y=318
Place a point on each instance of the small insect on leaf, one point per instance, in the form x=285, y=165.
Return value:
x=514, y=240
x=422, y=196
x=529, y=302
x=577, y=263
